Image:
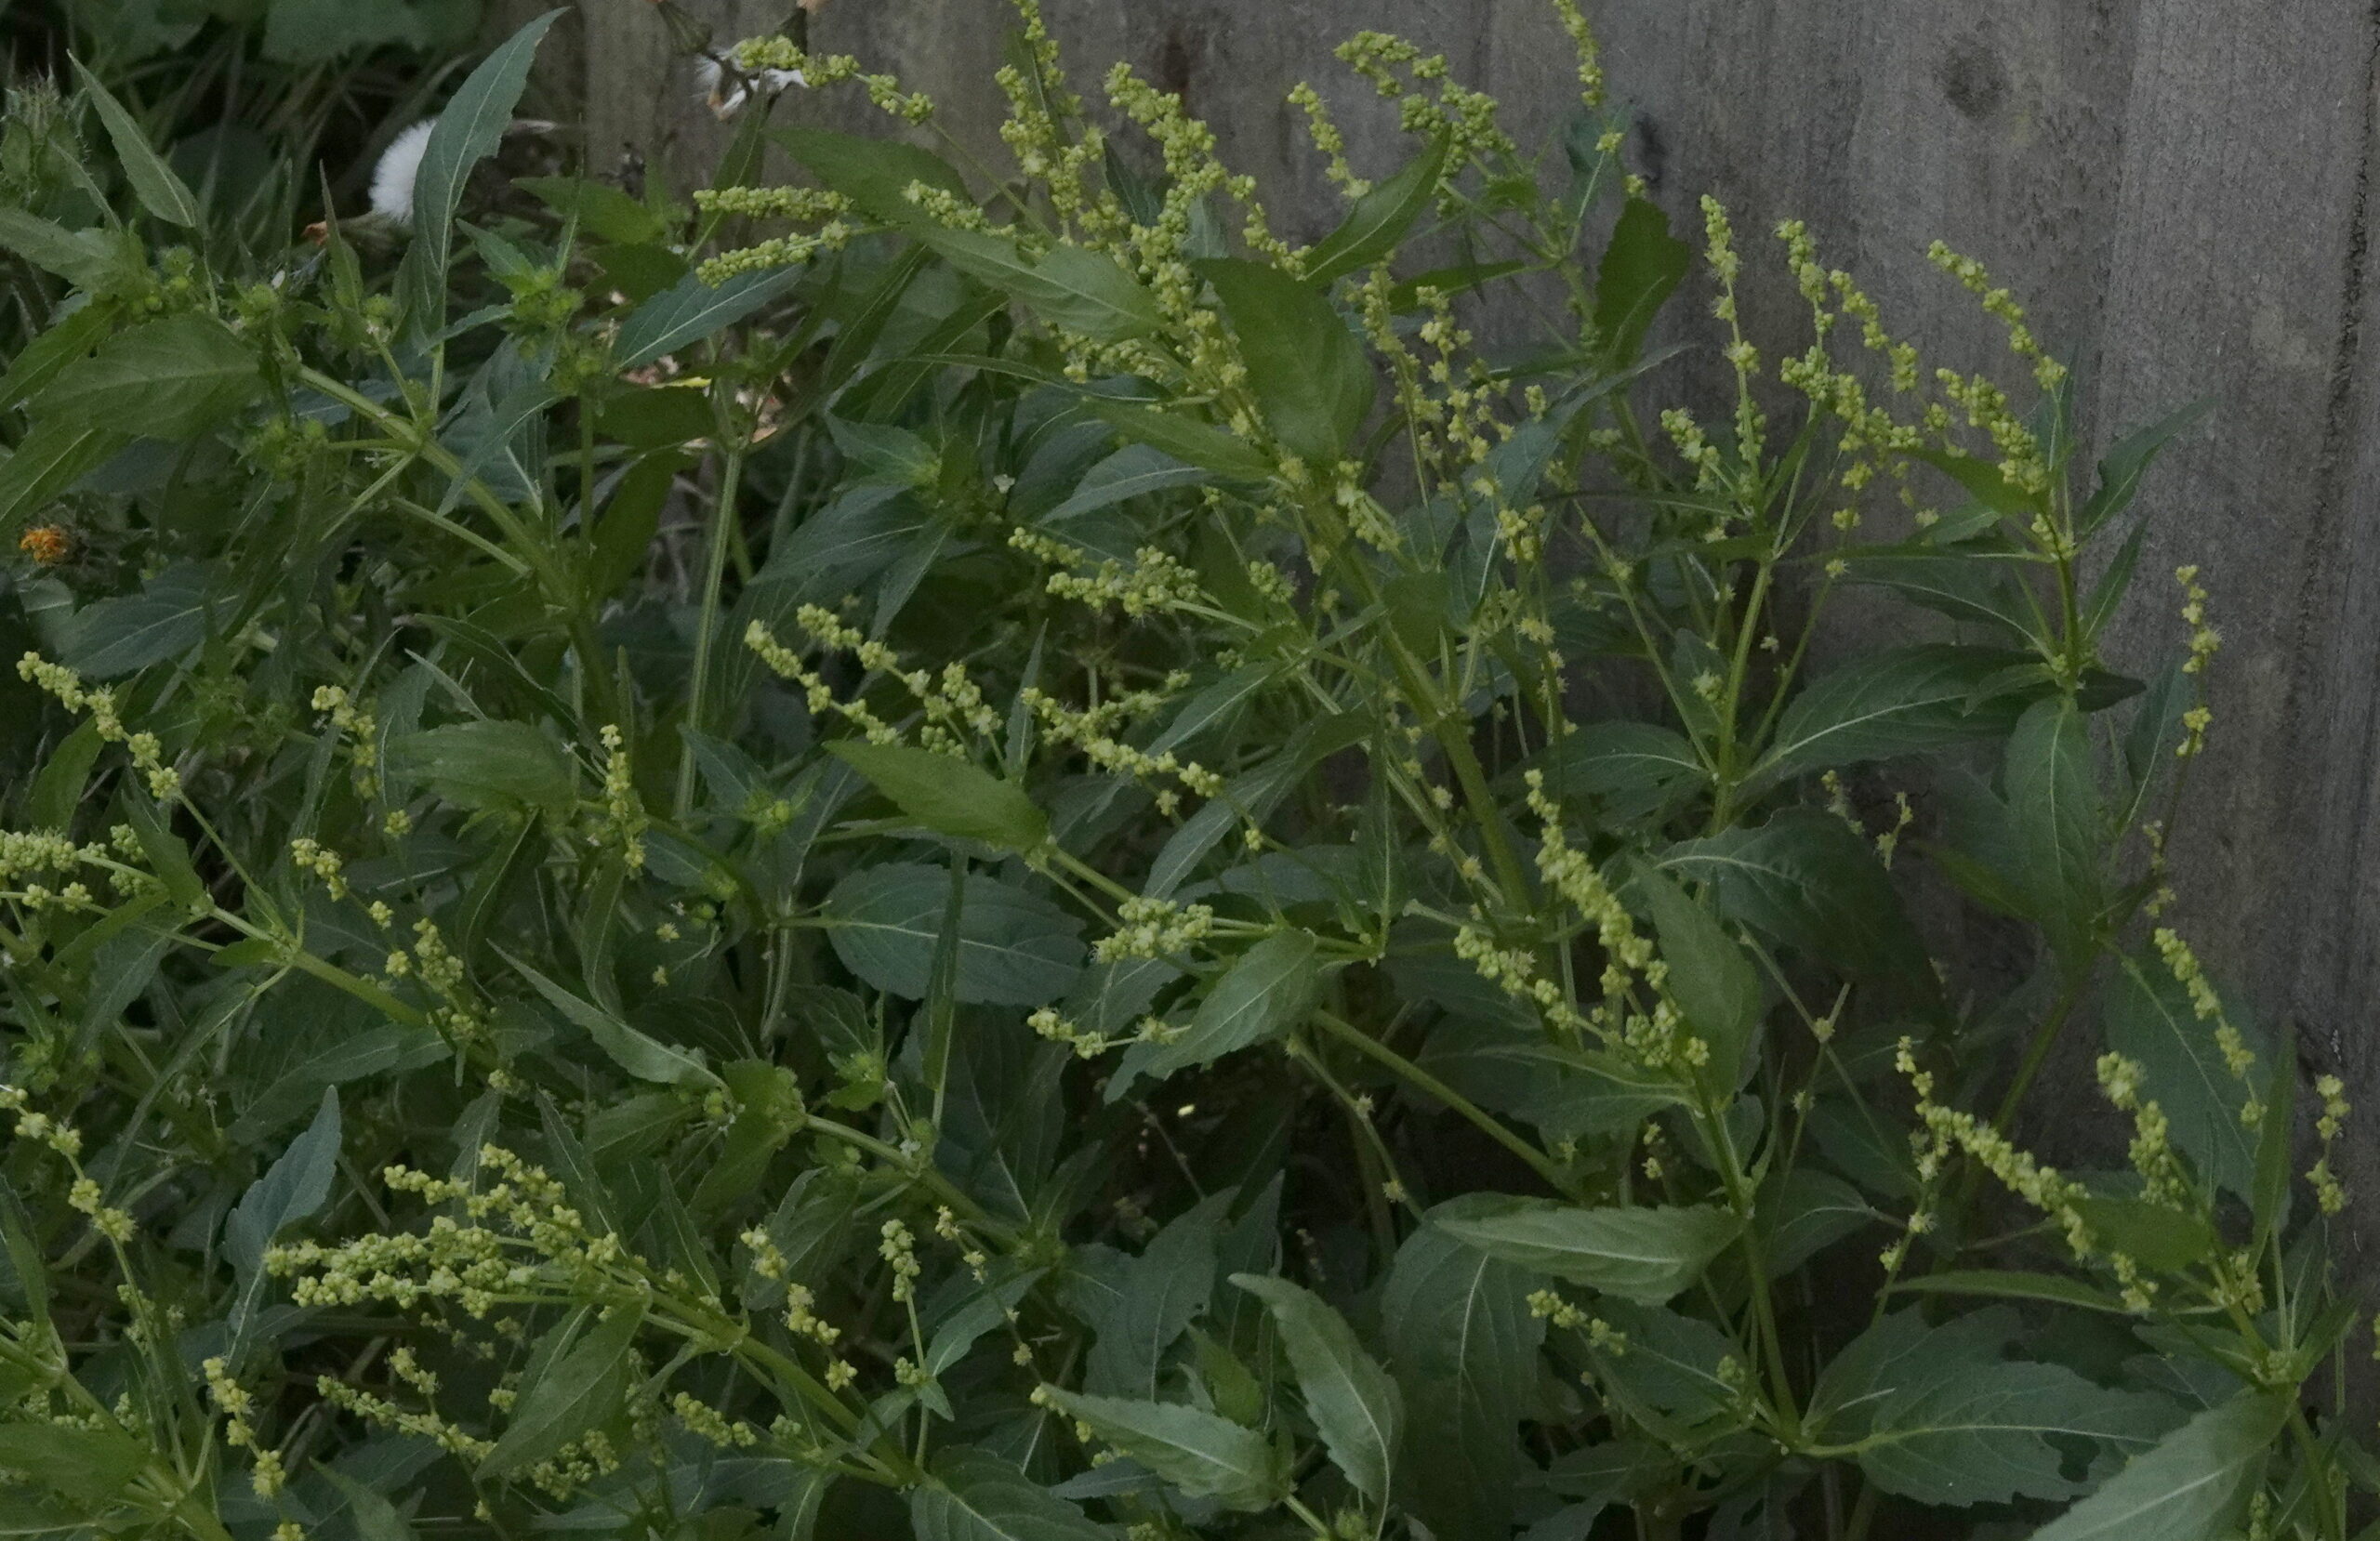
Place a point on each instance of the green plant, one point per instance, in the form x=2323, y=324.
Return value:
x=868, y=862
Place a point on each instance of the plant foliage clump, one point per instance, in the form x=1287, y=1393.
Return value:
x=900, y=857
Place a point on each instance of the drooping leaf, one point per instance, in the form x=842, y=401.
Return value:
x=1354, y=1403
x=641, y=1055
x=1708, y=977
x=1806, y=881
x=2053, y=812
x=2151, y=1020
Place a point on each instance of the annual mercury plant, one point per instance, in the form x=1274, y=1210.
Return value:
x=963, y=857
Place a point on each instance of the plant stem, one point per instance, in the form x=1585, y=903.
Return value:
x=1423, y=1081
x=722, y=520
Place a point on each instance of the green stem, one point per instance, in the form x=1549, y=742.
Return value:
x=722, y=520
x=1423, y=1081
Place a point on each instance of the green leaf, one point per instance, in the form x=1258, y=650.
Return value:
x=2194, y=1486
x=601, y=210
x=1901, y=701
x=89, y=259
x=1133, y=471
x=1983, y=480
x=1646, y=1254
x=292, y=1189
x=1635, y=767
x=977, y=1497
x=467, y=133
x=1965, y=587
x=1377, y=223
x=67, y=342
x=1710, y=978
x=164, y=620
x=1266, y=992
x=1016, y=948
x=645, y=1058
x=2149, y=1020
x=578, y=1389
x=1139, y=1307
x=56, y=792
x=1463, y=1345
x=1354, y=1405
x=1203, y=1455
x=2009, y=1284
x=88, y=1466
x=1309, y=374
x=874, y=174
x=2160, y=1239
x=2054, y=808
x=948, y=794
x=1807, y=881
x=1640, y=268
x=1183, y=438
x=1079, y=290
x=153, y=182
x=169, y=379
x=488, y=766
x=1938, y=1415
x=48, y=461
x=2128, y=460
x=690, y=310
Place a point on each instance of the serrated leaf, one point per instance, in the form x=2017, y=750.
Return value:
x=948, y=794
x=578, y=1389
x=1380, y=218
x=1143, y=1306
x=1901, y=701
x=1267, y=990
x=293, y=1188
x=642, y=1055
x=168, y=379
x=1201, y=1455
x=1640, y=268
x=493, y=765
x=1309, y=374
x=1354, y=1405
x=1708, y=977
x=115, y=637
x=1015, y=949
x=1463, y=1345
x=153, y=182
x=1646, y=1254
x=89, y=259
x=1805, y=880
x=48, y=461
x=975, y=1496
x=467, y=131
x=2193, y=1486
x=690, y=310
x=1133, y=471
x=88, y=1466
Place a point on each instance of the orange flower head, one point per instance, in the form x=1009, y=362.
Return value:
x=46, y=543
